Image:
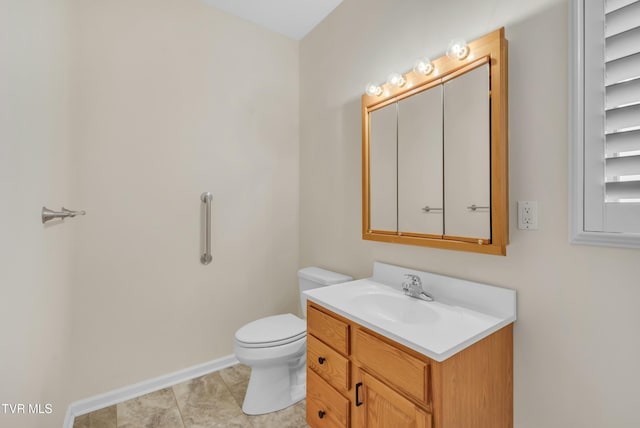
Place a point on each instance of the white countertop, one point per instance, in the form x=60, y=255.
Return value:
x=461, y=314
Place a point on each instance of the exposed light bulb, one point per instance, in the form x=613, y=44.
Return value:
x=396, y=79
x=373, y=90
x=458, y=49
x=423, y=66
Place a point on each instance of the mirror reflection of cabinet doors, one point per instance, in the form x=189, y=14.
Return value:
x=420, y=197
x=382, y=165
x=467, y=157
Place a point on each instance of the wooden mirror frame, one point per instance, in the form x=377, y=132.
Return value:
x=491, y=49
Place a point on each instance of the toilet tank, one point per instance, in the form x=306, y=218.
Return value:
x=314, y=277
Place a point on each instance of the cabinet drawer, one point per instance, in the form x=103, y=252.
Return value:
x=325, y=406
x=407, y=373
x=330, y=365
x=328, y=329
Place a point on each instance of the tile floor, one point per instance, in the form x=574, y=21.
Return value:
x=209, y=401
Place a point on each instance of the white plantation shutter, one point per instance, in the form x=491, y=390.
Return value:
x=605, y=84
x=622, y=101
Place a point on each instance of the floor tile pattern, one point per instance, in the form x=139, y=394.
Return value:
x=210, y=401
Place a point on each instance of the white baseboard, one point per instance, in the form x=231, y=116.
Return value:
x=127, y=393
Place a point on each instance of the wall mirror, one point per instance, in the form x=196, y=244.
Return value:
x=434, y=152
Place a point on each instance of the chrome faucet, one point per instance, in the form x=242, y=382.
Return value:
x=413, y=288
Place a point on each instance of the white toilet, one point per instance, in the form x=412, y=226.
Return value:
x=275, y=348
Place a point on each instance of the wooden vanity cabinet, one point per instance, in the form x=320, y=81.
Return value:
x=359, y=378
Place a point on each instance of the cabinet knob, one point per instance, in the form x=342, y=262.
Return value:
x=321, y=360
x=321, y=414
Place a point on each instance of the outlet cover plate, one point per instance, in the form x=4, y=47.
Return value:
x=528, y=215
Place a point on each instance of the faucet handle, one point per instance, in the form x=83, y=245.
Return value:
x=413, y=288
x=415, y=279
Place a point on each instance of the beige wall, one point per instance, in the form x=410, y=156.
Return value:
x=130, y=110
x=173, y=98
x=34, y=163
x=577, y=337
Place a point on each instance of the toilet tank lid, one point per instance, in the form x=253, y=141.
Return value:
x=322, y=276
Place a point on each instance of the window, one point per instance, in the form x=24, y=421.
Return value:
x=605, y=122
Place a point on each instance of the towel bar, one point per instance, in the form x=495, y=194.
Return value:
x=48, y=214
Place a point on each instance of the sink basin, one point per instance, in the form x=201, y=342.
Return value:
x=396, y=308
x=437, y=329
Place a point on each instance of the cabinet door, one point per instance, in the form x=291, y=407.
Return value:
x=383, y=160
x=467, y=156
x=420, y=199
x=383, y=407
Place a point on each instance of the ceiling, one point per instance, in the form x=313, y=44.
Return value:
x=293, y=18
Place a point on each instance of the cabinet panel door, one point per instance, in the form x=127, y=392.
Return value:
x=383, y=160
x=467, y=155
x=420, y=163
x=383, y=407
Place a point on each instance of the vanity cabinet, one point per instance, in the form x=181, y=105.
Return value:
x=359, y=378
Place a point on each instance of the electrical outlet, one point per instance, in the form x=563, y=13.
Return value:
x=528, y=215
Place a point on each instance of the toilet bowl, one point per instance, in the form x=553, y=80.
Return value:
x=275, y=348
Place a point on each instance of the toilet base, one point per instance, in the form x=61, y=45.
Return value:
x=274, y=388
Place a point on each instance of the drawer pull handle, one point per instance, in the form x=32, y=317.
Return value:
x=321, y=360
x=321, y=414
x=358, y=402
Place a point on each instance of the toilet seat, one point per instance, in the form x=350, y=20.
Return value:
x=271, y=331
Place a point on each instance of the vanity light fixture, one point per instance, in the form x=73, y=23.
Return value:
x=396, y=79
x=423, y=66
x=458, y=49
x=373, y=90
